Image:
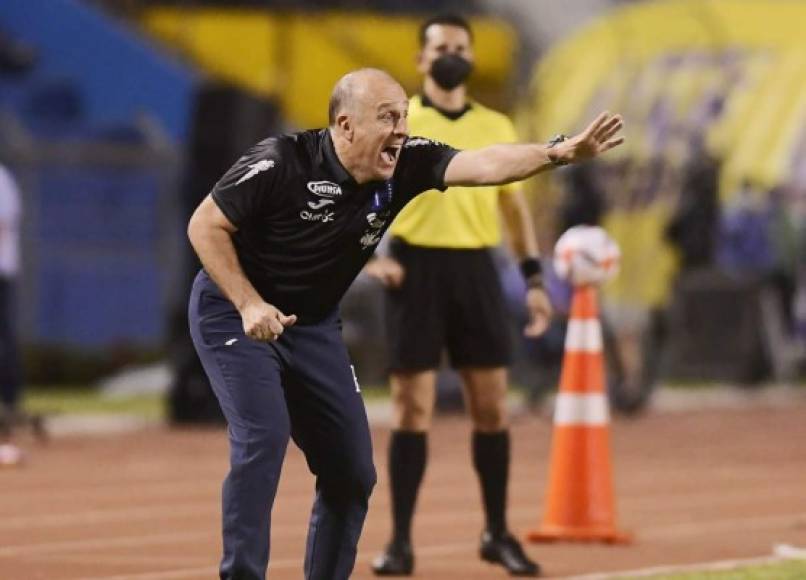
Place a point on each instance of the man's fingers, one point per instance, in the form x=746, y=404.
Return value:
x=593, y=128
x=610, y=130
x=609, y=135
x=607, y=126
x=275, y=326
x=260, y=333
x=287, y=320
x=610, y=144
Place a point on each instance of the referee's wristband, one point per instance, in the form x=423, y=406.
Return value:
x=532, y=271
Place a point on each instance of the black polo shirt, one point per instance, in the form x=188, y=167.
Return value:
x=305, y=227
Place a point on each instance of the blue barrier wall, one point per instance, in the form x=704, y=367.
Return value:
x=99, y=252
x=97, y=265
x=117, y=73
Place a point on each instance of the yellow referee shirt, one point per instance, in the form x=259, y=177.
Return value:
x=461, y=217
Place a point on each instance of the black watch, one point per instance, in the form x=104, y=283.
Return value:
x=554, y=141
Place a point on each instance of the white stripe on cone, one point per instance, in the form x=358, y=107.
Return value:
x=589, y=409
x=584, y=336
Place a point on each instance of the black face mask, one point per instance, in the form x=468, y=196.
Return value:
x=450, y=70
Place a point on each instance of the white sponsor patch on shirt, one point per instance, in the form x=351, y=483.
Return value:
x=324, y=217
x=320, y=203
x=255, y=168
x=324, y=188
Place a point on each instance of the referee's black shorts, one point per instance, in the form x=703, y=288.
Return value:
x=449, y=300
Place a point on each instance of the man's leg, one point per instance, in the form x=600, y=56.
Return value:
x=415, y=331
x=478, y=345
x=329, y=423
x=485, y=395
x=10, y=375
x=413, y=397
x=245, y=375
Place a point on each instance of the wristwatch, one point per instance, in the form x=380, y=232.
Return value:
x=556, y=161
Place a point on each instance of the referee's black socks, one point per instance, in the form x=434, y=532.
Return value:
x=407, y=457
x=491, y=460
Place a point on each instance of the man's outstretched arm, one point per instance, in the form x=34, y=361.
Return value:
x=499, y=164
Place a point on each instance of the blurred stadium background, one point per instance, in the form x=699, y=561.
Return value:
x=117, y=116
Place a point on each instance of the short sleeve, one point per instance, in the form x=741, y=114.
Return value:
x=249, y=185
x=423, y=163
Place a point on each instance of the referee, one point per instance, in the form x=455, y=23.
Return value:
x=444, y=293
x=281, y=237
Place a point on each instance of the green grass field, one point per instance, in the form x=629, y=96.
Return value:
x=87, y=401
x=76, y=400
x=788, y=570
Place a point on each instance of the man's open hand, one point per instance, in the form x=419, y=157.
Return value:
x=600, y=136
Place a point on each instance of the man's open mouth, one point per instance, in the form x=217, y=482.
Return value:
x=389, y=154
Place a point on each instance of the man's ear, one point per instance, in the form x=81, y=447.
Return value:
x=345, y=125
x=420, y=62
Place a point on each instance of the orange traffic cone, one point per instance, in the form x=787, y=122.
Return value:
x=580, y=492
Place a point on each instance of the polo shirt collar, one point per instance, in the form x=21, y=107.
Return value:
x=330, y=161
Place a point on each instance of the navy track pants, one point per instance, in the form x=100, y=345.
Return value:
x=302, y=386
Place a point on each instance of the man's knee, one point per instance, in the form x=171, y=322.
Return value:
x=413, y=400
x=412, y=414
x=257, y=447
x=349, y=479
x=489, y=415
x=486, y=396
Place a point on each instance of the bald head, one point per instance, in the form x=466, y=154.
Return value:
x=368, y=111
x=357, y=89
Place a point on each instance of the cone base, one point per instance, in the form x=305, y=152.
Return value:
x=606, y=535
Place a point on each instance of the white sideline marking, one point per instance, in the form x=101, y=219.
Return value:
x=789, y=552
x=720, y=565
x=69, y=546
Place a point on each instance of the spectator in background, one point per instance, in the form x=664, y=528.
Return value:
x=10, y=375
x=693, y=227
x=444, y=293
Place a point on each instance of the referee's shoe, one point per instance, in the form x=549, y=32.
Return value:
x=504, y=549
x=397, y=560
